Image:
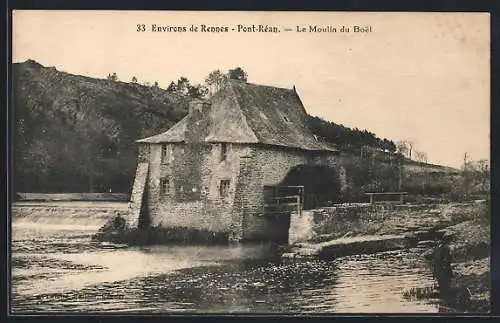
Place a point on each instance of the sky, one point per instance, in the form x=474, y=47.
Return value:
x=423, y=77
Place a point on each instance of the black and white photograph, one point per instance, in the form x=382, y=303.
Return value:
x=250, y=162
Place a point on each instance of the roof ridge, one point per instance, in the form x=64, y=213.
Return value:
x=261, y=85
x=300, y=100
x=244, y=117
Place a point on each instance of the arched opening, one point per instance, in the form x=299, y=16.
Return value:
x=321, y=184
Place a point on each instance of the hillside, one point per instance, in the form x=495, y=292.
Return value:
x=76, y=133
x=415, y=167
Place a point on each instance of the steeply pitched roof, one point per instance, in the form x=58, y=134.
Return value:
x=250, y=113
x=174, y=134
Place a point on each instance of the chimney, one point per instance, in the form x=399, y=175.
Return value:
x=198, y=120
x=198, y=106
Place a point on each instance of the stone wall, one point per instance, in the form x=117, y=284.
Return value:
x=137, y=198
x=143, y=152
x=198, y=169
x=208, y=211
x=266, y=165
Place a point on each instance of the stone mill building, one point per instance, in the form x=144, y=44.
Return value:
x=228, y=165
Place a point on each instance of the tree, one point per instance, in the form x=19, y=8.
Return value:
x=388, y=145
x=172, y=87
x=410, y=145
x=112, y=77
x=134, y=79
x=405, y=147
x=197, y=91
x=183, y=85
x=90, y=136
x=466, y=160
x=238, y=74
x=483, y=169
x=466, y=184
x=215, y=80
x=402, y=148
x=421, y=157
x=475, y=176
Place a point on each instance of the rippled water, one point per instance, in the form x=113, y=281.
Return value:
x=56, y=267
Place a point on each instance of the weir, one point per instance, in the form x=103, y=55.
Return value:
x=57, y=214
x=301, y=226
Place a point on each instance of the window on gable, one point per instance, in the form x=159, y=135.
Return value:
x=164, y=186
x=224, y=187
x=223, y=151
x=167, y=153
x=164, y=153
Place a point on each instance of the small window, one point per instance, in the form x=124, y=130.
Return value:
x=167, y=153
x=164, y=153
x=224, y=187
x=286, y=119
x=164, y=186
x=223, y=151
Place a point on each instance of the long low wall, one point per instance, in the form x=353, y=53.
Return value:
x=373, y=219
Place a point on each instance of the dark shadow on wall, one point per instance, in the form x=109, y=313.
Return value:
x=144, y=218
x=321, y=184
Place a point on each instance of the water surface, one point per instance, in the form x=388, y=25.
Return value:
x=57, y=268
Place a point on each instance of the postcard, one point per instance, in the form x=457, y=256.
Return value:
x=247, y=162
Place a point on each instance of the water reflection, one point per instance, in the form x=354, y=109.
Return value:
x=62, y=270
x=240, y=286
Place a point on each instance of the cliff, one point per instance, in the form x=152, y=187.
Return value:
x=76, y=134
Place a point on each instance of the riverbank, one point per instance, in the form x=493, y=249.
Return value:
x=470, y=252
x=363, y=229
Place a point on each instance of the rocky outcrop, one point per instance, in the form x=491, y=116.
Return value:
x=357, y=245
x=358, y=219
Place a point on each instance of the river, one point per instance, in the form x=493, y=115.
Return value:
x=57, y=268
